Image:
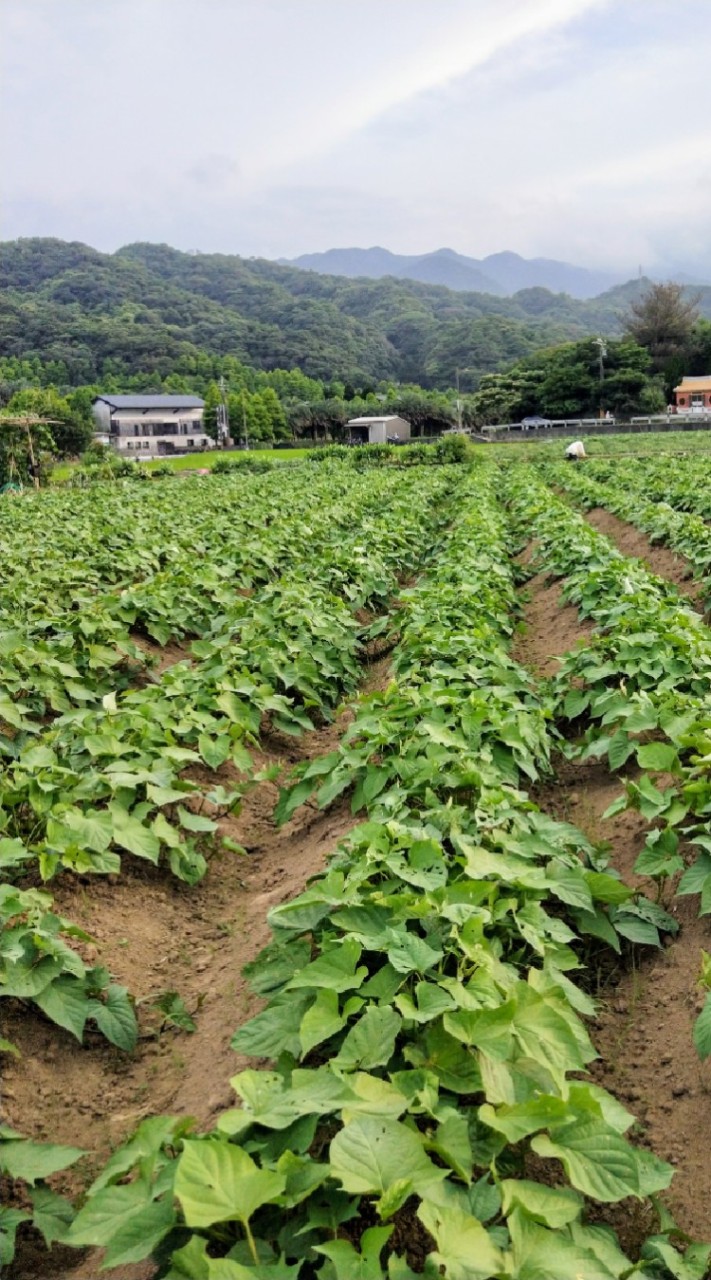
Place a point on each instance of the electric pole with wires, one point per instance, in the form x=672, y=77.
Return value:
x=223, y=418
x=601, y=353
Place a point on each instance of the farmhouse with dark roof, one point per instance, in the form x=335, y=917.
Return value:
x=149, y=426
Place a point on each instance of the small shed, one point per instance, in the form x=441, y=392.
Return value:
x=384, y=430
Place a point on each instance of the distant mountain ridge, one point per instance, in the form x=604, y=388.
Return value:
x=501, y=274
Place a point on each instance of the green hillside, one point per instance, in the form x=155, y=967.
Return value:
x=150, y=307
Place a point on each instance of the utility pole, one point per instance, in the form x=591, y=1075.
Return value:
x=244, y=421
x=459, y=400
x=223, y=418
x=602, y=352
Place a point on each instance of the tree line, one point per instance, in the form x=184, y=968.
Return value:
x=263, y=408
x=664, y=338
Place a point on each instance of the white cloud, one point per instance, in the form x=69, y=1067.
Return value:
x=454, y=40
x=683, y=157
x=570, y=128
x=561, y=146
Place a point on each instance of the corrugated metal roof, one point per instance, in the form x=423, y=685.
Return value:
x=363, y=422
x=152, y=402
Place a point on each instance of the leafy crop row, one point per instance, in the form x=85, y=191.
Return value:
x=109, y=777
x=680, y=481
x=639, y=689
x=428, y=1094
x=108, y=569
x=685, y=533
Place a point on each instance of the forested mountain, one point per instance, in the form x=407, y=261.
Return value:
x=444, y=266
x=499, y=273
x=148, y=307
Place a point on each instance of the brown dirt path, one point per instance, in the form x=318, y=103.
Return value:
x=550, y=627
x=643, y=1030
x=158, y=935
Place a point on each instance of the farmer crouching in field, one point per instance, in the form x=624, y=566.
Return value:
x=575, y=451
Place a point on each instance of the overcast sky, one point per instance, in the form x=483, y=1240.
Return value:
x=575, y=129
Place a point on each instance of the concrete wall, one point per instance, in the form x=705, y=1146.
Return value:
x=515, y=434
x=157, y=446
x=693, y=401
x=378, y=432
x=397, y=427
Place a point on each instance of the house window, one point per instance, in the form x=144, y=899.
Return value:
x=129, y=444
x=191, y=444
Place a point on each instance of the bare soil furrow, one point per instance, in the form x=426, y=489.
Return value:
x=549, y=628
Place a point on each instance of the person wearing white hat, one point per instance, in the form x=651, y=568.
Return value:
x=575, y=451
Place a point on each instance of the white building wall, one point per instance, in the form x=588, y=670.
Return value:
x=157, y=446
x=377, y=433
x=146, y=422
x=398, y=427
x=144, y=434
x=102, y=415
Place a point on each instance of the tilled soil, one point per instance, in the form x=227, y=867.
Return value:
x=157, y=935
x=648, y=1003
x=550, y=627
x=164, y=655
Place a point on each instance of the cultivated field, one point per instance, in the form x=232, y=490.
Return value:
x=357, y=871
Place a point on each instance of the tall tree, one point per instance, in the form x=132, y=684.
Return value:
x=700, y=349
x=662, y=322
x=277, y=417
x=212, y=399
x=507, y=397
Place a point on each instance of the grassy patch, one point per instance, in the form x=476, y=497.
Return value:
x=194, y=461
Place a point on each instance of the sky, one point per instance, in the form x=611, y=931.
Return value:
x=572, y=129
